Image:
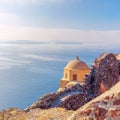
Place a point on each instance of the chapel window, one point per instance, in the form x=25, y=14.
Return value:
x=66, y=75
x=74, y=77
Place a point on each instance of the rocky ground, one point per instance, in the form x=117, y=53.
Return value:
x=98, y=98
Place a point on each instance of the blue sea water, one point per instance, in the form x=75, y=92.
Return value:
x=28, y=71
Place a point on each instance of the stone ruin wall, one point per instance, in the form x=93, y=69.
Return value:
x=103, y=73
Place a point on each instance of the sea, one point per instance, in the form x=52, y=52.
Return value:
x=29, y=70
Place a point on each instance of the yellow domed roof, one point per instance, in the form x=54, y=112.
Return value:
x=76, y=64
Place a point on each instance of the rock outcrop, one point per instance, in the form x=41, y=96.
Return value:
x=71, y=95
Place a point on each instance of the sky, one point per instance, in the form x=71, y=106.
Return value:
x=84, y=21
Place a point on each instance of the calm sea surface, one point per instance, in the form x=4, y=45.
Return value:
x=28, y=71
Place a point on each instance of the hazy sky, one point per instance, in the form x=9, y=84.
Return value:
x=61, y=20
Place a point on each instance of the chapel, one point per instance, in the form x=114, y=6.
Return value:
x=74, y=72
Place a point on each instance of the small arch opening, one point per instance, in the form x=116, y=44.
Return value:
x=74, y=77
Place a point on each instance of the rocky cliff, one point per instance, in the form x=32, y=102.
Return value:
x=94, y=98
x=104, y=73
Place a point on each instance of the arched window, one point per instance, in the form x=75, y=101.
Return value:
x=74, y=77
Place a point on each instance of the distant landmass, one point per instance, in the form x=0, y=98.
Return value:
x=33, y=42
x=96, y=97
x=22, y=42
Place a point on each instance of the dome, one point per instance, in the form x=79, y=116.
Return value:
x=77, y=64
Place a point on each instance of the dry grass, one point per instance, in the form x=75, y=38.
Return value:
x=49, y=114
x=36, y=114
